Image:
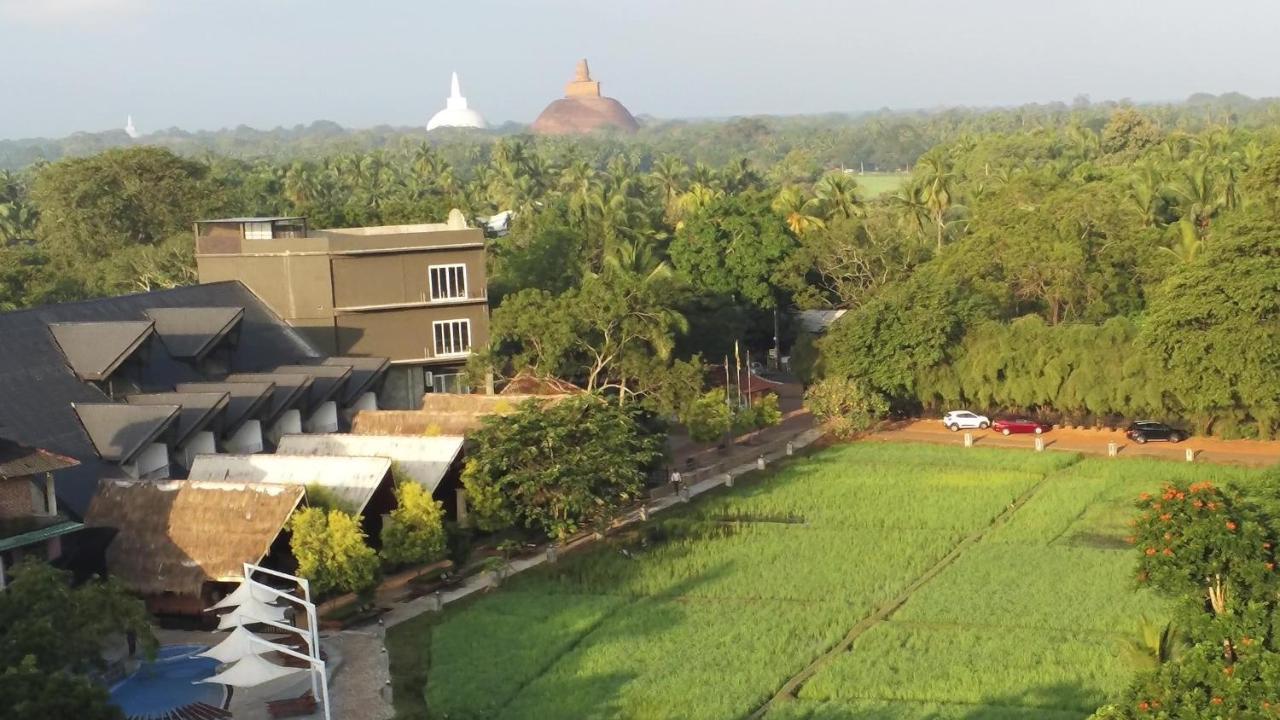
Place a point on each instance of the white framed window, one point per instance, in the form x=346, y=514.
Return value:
x=448, y=282
x=453, y=383
x=257, y=231
x=453, y=337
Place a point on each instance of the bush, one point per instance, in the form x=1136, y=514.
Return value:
x=414, y=532
x=766, y=411
x=331, y=551
x=845, y=405
x=708, y=418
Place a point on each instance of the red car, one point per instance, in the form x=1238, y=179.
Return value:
x=1008, y=426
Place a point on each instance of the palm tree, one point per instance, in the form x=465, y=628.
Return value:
x=839, y=192
x=800, y=213
x=668, y=175
x=17, y=223
x=1144, y=192
x=937, y=189
x=1187, y=242
x=1199, y=195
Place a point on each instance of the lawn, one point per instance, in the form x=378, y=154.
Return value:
x=877, y=184
x=707, y=612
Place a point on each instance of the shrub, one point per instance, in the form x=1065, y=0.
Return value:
x=845, y=405
x=708, y=417
x=414, y=532
x=331, y=551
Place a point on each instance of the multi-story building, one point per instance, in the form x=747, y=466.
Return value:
x=415, y=294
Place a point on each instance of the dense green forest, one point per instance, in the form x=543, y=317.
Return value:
x=1085, y=262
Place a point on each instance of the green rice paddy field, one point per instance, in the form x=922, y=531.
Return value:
x=877, y=184
x=1017, y=587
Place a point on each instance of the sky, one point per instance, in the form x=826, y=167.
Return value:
x=72, y=65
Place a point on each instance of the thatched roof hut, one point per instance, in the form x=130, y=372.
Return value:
x=176, y=535
x=442, y=414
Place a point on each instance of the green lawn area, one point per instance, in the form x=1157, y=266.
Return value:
x=712, y=608
x=877, y=184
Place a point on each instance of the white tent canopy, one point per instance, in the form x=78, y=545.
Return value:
x=243, y=593
x=235, y=646
x=251, y=671
x=425, y=460
x=249, y=612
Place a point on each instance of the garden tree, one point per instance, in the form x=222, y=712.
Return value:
x=708, y=417
x=910, y=328
x=52, y=635
x=1212, y=551
x=1216, y=324
x=414, y=531
x=592, y=333
x=331, y=551
x=846, y=406
x=733, y=246
x=842, y=263
x=559, y=468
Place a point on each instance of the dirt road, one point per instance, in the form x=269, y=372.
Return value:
x=1253, y=453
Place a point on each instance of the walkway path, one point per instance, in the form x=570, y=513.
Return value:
x=1255, y=453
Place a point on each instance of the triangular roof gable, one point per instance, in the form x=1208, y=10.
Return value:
x=366, y=372
x=247, y=399
x=289, y=392
x=19, y=460
x=190, y=333
x=118, y=431
x=199, y=410
x=94, y=350
x=326, y=380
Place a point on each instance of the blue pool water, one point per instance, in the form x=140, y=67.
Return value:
x=168, y=683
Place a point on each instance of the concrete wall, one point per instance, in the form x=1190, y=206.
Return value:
x=387, y=279
x=406, y=333
x=295, y=286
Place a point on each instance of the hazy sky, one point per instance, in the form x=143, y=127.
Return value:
x=204, y=64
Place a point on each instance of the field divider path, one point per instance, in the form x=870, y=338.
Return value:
x=792, y=686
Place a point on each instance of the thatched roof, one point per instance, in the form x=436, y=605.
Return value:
x=526, y=383
x=18, y=460
x=425, y=460
x=175, y=535
x=442, y=414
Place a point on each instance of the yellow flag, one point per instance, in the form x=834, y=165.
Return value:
x=737, y=359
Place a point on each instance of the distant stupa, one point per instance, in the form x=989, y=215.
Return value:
x=129, y=129
x=455, y=112
x=583, y=109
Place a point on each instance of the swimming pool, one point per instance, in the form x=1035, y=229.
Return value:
x=169, y=683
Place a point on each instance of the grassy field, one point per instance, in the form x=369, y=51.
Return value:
x=706, y=613
x=876, y=184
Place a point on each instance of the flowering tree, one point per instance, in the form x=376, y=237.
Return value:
x=1213, y=551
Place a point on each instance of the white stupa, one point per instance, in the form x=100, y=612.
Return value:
x=456, y=113
x=129, y=129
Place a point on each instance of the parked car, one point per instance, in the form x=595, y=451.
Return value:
x=1009, y=426
x=957, y=419
x=1146, y=430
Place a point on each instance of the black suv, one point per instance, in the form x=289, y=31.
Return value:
x=1144, y=430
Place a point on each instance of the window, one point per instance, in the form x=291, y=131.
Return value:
x=448, y=281
x=257, y=231
x=453, y=337
x=455, y=383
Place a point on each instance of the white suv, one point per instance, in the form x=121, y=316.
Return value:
x=957, y=419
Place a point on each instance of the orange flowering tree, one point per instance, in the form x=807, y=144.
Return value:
x=1212, y=551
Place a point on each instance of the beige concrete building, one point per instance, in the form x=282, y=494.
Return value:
x=415, y=294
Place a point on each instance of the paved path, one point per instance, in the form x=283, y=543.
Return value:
x=1254, y=453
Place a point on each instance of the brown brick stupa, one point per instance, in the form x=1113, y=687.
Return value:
x=583, y=109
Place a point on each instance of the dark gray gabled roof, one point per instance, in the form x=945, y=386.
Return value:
x=290, y=390
x=199, y=411
x=94, y=350
x=37, y=387
x=190, y=333
x=118, y=431
x=366, y=375
x=247, y=401
x=326, y=381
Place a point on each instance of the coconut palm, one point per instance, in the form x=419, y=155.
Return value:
x=1144, y=192
x=937, y=191
x=838, y=192
x=801, y=213
x=1187, y=241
